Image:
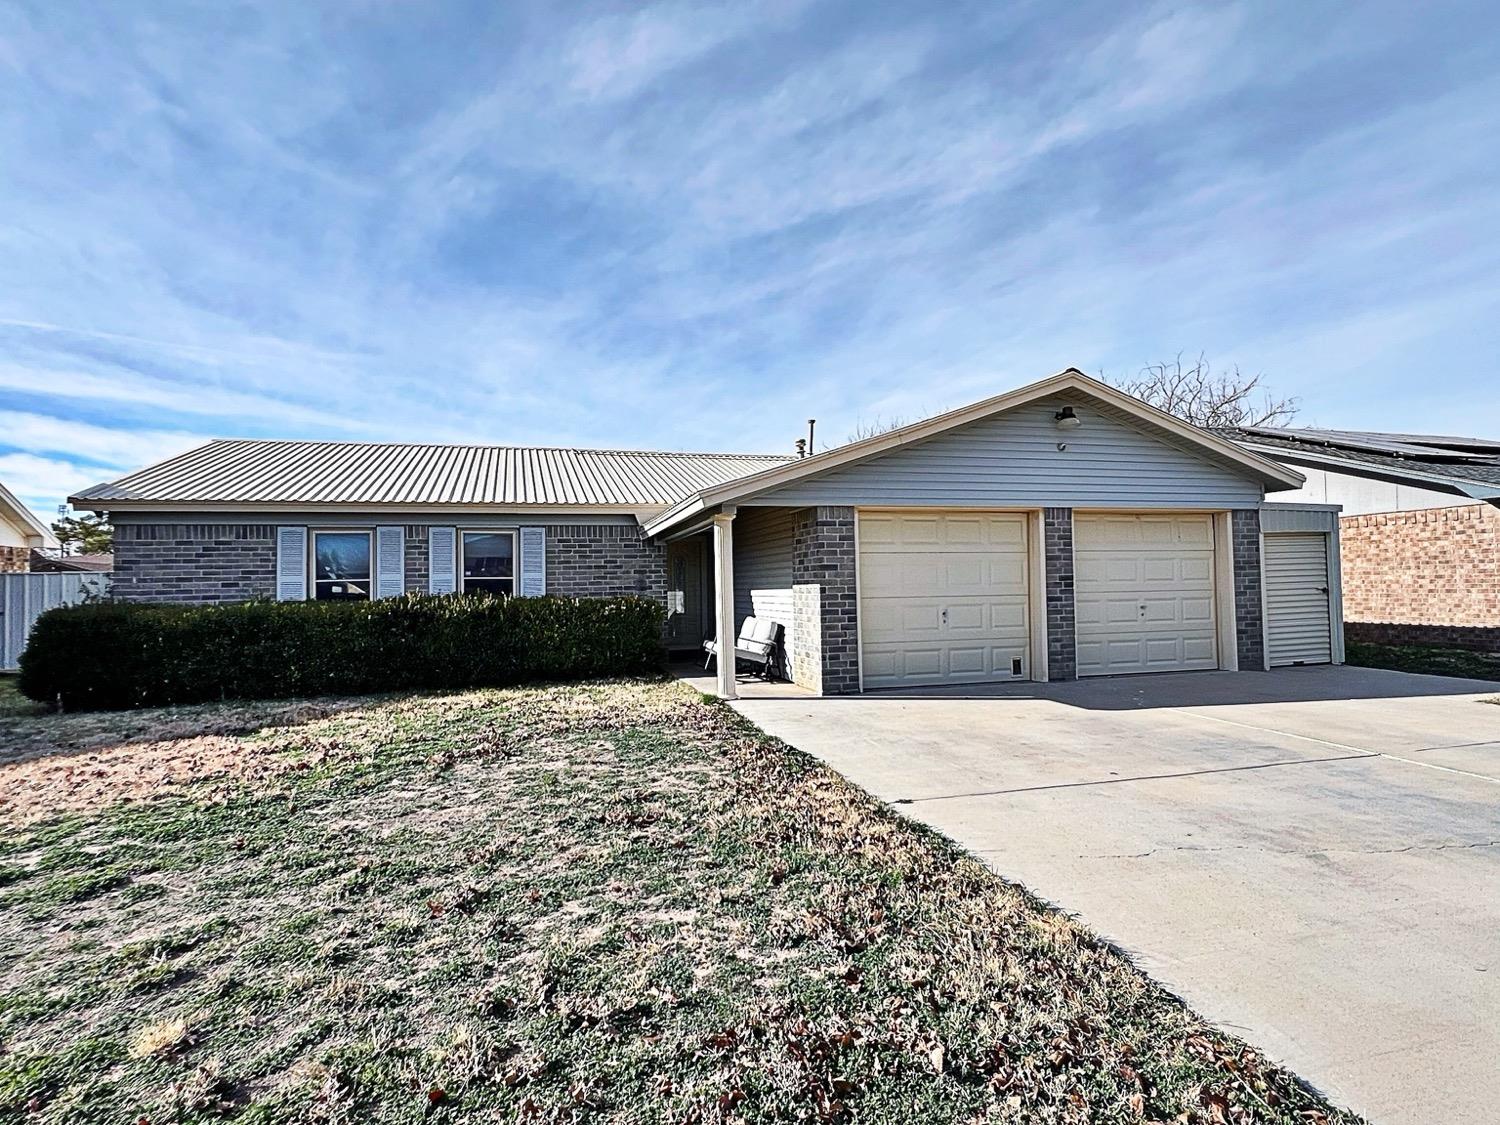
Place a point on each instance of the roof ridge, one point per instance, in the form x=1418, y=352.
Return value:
x=496, y=445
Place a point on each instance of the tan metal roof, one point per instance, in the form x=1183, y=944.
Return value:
x=254, y=471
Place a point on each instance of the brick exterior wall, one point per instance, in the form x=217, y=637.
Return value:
x=823, y=555
x=199, y=563
x=414, y=558
x=15, y=560
x=1062, y=637
x=194, y=563
x=1481, y=638
x=1435, y=571
x=1249, y=633
x=604, y=560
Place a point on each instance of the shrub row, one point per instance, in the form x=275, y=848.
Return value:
x=109, y=656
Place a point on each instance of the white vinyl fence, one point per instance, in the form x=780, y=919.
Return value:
x=25, y=597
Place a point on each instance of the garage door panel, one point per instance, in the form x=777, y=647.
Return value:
x=1144, y=599
x=944, y=597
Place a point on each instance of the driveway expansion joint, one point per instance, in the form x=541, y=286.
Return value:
x=1455, y=846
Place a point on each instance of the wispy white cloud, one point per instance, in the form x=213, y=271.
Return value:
x=84, y=442
x=597, y=225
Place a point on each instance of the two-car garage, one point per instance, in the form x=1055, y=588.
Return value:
x=955, y=597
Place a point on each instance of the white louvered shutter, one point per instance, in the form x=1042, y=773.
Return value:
x=291, y=564
x=390, y=561
x=440, y=560
x=533, y=562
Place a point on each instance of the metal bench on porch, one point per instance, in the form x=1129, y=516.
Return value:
x=759, y=643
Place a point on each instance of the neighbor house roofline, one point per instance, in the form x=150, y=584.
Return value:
x=18, y=512
x=1069, y=379
x=1390, y=472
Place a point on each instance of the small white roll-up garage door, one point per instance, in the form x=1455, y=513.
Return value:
x=1298, y=625
x=1144, y=593
x=942, y=598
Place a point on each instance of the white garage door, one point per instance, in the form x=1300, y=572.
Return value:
x=1298, y=628
x=942, y=598
x=1144, y=593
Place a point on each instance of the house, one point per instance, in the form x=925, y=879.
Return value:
x=20, y=534
x=1420, y=530
x=71, y=564
x=1060, y=530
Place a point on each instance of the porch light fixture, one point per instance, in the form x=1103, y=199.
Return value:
x=1066, y=419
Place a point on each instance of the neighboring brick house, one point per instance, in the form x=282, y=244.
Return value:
x=1419, y=533
x=1057, y=531
x=21, y=533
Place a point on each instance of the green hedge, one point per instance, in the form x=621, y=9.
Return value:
x=108, y=656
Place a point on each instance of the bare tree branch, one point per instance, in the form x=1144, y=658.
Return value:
x=1196, y=394
x=875, y=426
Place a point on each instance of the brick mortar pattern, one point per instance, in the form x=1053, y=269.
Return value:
x=1433, y=567
x=205, y=563
x=1062, y=632
x=823, y=554
x=1249, y=633
x=15, y=560
x=193, y=564
x=1480, y=638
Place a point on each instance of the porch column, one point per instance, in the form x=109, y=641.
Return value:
x=724, y=630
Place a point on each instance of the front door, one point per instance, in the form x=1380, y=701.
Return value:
x=686, y=593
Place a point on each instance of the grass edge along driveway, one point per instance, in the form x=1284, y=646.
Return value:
x=602, y=902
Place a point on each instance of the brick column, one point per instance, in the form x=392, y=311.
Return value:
x=1062, y=646
x=1249, y=634
x=823, y=571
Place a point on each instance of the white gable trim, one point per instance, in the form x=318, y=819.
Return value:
x=1072, y=379
x=19, y=514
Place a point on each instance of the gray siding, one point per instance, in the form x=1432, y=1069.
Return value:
x=763, y=568
x=1012, y=460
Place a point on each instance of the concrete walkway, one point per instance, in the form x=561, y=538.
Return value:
x=1310, y=857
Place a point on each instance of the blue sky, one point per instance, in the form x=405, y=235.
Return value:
x=693, y=226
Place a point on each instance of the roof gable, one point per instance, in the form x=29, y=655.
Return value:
x=23, y=520
x=783, y=480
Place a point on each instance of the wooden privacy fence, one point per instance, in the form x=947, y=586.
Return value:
x=25, y=597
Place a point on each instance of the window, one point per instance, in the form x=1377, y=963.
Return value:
x=341, y=566
x=489, y=562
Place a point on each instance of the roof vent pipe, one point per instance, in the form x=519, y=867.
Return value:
x=811, y=422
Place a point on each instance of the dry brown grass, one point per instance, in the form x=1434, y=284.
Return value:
x=605, y=902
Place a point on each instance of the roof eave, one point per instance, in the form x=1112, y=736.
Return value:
x=23, y=515
x=1458, y=486
x=313, y=507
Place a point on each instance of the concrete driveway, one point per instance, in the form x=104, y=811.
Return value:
x=1310, y=857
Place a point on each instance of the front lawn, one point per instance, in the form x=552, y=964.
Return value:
x=604, y=902
x=1425, y=659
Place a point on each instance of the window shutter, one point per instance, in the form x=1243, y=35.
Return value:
x=440, y=560
x=291, y=564
x=533, y=562
x=390, y=561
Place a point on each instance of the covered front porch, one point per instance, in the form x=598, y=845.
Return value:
x=792, y=566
